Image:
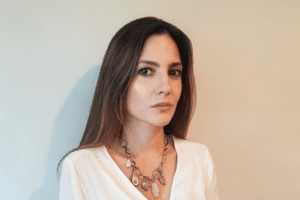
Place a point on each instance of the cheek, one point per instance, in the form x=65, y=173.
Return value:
x=138, y=100
x=138, y=96
x=141, y=91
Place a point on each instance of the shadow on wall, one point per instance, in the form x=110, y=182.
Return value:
x=68, y=130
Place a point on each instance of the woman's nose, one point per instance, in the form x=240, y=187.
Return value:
x=164, y=83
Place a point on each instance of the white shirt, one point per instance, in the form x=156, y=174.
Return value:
x=91, y=174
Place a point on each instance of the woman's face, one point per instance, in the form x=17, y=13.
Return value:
x=157, y=79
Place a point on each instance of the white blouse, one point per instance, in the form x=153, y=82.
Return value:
x=91, y=174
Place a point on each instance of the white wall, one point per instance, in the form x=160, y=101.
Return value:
x=246, y=66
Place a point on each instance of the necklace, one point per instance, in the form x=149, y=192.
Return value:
x=136, y=172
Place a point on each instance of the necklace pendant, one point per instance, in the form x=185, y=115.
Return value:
x=135, y=180
x=162, y=180
x=155, y=190
x=145, y=186
x=128, y=163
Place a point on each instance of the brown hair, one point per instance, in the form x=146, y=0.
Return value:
x=106, y=118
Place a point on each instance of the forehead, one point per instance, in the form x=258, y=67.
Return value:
x=160, y=48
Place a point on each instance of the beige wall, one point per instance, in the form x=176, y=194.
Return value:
x=247, y=68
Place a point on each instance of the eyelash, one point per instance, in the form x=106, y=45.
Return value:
x=148, y=68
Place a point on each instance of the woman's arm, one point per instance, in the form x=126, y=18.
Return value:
x=69, y=182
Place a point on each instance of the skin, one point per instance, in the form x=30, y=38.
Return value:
x=144, y=124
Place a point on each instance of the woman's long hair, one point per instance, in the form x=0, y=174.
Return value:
x=106, y=117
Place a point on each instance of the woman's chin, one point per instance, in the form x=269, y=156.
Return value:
x=161, y=121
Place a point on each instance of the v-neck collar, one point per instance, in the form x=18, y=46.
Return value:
x=124, y=177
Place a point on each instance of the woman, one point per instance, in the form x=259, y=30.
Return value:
x=134, y=143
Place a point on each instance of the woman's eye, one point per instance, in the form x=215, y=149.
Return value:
x=144, y=70
x=179, y=72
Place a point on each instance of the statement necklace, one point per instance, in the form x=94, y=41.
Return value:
x=136, y=172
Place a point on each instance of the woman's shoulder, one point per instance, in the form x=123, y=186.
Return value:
x=83, y=155
x=189, y=145
x=193, y=152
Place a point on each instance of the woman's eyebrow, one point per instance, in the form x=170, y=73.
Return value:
x=174, y=64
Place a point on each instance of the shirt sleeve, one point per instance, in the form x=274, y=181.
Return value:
x=212, y=189
x=69, y=182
